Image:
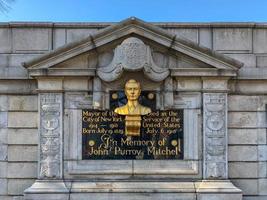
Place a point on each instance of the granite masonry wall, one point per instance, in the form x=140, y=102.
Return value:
x=247, y=100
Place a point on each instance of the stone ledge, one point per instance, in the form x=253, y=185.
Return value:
x=133, y=196
x=132, y=187
x=133, y=190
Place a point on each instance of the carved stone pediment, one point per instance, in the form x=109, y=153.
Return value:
x=131, y=43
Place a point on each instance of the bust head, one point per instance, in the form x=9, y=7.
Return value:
x=132, y=90
x=133, y=110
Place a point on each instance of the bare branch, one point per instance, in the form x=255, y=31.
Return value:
x=5, y=5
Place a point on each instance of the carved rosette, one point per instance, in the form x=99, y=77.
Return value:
x=215, y=135
x=50, y=165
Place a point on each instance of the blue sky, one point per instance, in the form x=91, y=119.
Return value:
x=148, y=10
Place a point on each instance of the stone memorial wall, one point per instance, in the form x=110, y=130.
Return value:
x=205, y=137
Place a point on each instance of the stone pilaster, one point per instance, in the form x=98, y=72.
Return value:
x=50, y=136
x=50, y=165
x=215, y=162
x=215, y=135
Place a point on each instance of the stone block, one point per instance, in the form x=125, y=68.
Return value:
x=3, y=102
x=232, y=39
x=261, y=61
x=59, y=37
x=263, y=186
x=254, y=197
x=262, y=169
x=3, y=70
x=5, y=40
x=99, y=167
x=23, y=136
x=49, y=196
x=47, y=190
x=250, y=87
x=78, y=34
x=74, y=84
x=16, y=60
x=248, y=186
x=133, y=196
x=246, y=136
x=50, y=84
x=3, y=119
x=246, y=119
x=3, y=136
x=242, y=153
x=262, y=152
x=3, y=169
x=155, y=167
x=18, y=198
x=132, y=187
x=262, y=136
x=22, y=153
x=185, y=33
x=246, y=103
x=3, y=152
x=249, y=60
x=5, y=197
x=218, y=196
x=31, y=39
x=22, y=170
x=23, y=103
x=205, y=37
x=17, y=186
x=3, y=187
x=215, y=84
x=17, y=86
x=243, y=169
x=189, y=84
x=260, y=40
x=4, y=59
x=16, y=72
x=22, y=119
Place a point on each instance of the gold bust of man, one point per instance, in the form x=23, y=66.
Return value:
x=132, y=91
x=133, y=110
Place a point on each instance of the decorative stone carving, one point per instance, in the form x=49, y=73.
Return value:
x=215, y=135
x=215, y=122
x=50, y=136
x=132, y=55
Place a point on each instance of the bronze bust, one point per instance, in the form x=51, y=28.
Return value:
x=133, y=110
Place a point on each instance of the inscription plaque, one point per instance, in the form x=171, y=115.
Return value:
x=103, y=136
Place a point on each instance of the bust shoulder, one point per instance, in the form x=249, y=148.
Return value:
x=145, y=110
x=123, y=110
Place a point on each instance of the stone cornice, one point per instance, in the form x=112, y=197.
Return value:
x=99, y=25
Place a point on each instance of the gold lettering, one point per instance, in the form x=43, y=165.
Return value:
x=162, y=151
x=97, y=152
x=127, y=152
